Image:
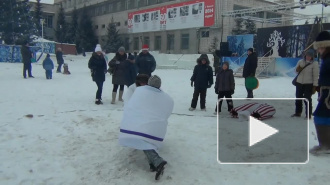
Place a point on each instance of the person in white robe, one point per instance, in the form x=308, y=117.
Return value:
x=145, y=121
x=140, y=80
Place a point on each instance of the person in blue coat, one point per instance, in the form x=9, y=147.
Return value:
x=250, y=67
x=48, y=65
x=145, y=62
x=202, y=79
x=322, y=112
x=131, y=71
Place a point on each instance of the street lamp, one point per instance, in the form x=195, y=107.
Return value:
x=42, y=21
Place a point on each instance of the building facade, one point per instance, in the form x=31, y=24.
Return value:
x=196, y=38
x=49, y=15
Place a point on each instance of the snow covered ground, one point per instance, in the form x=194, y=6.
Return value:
x=72, y=141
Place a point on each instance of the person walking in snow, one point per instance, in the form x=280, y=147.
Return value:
x=322, y=112
x=119, y=65
x=250, y=67
x=48, y=65
x=26, y=57
x=60, y=60
x=98, y=67
x=202, y=79
x=145, y=121
x=141, y=80
x=145, y=62
x=307, y=81
x=225, y=86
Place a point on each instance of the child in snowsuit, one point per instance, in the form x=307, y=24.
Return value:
x=201, y=79
x=48, y=65
x=225, y=86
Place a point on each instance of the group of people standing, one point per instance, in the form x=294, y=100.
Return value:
x=47, y=64
x=202, y=79
x=123, y=68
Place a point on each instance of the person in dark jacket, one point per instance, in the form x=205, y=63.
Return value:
x=145, y=62
x=322, y=112
x=216, y=64
x=201, y=79
x=131, y=70
x=119, y=64
x=60, y=60
x=225, y=86
x=250, y=67
x=48, y=65
x=98, y=67
x=26, y=56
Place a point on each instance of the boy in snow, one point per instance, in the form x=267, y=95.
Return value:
x=48, y=65
x=140, y=80
x=202, y=79
x=225, y=86
x=144, y=122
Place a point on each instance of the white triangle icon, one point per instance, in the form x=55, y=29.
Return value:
x=259, y=131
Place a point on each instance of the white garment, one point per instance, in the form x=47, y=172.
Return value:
x=129, y=92
x=310, y=75
x=144, y=122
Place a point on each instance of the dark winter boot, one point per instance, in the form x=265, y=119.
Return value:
x=152, y=168
x=98, y=102
x=160, y=170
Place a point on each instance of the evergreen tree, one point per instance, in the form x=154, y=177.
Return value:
x=15, y=21
x=61, y=26
x=38, y=17
x=250, y=27
x=71, y=35
x=86, y=37
x=238, y=29
x=113, y=40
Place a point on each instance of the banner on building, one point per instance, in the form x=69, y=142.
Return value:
x=197, y=13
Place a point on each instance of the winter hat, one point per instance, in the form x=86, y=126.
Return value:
x=98, y=48
x=310, y=53
x=155, y=81
x=121, y=49
x=250, y=49
x=145, y=47
x=204, y=56
x=322, y=40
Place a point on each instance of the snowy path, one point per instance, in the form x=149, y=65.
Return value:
x=70, y=140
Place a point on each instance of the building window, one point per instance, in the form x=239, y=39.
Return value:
x=152, y=2
x=48, y=21
x=118, y=24
x=110, y=8
x=136, y=43
x=103, y=25
x=158, y=43
x=258, y=14
x=185, y=41
x=130, y=4
x=141, y=3
x=170, y=42
x=146, y=40
x=205, y=34
x=126, y=23
x=96, y=27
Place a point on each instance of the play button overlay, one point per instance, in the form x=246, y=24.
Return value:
x=259, y=131
x=262, y=131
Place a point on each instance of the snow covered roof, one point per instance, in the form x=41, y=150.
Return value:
x=39, y=39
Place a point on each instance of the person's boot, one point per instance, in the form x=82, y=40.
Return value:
x=120, y=98
x=114, y=94
x=296, y=115
x=98, y=102
x=160, y=170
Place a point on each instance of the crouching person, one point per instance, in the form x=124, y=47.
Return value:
x=147, y=132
